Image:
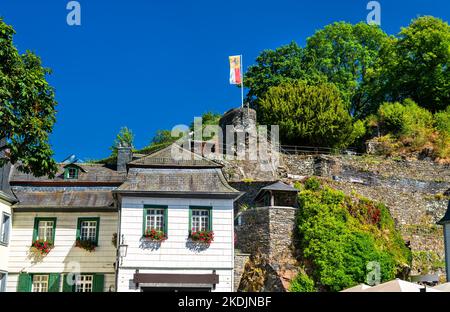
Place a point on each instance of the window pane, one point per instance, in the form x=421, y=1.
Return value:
x=40, y=283
x=200, y=220
x=84, y=283
x=155, y=219
x=45, y=230
x=2, y=282
x=88, y=230
x=5, y=228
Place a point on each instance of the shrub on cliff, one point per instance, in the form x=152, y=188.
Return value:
x=340, y=235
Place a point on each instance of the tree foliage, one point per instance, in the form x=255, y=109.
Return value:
x=340, y=235
x=124, y=138
x=27, y=108
x=308, y=114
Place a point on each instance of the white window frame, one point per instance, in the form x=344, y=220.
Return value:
x=45, y=229
x=154, y=219
x=88, y=230
x=41, y=284
x=84, y=283
x=3, y=233
x=200, y=221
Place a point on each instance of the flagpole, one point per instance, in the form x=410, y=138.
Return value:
x=242, y=82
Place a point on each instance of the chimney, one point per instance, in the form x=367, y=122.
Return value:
x=124, y=156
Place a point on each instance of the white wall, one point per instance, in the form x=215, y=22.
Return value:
x=4, y=250
x=173, y=255
x=64, y=257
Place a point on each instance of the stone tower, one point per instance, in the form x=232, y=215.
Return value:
x=445, y=222
x=243, y=121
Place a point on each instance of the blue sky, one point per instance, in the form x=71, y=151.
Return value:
x=150, y=64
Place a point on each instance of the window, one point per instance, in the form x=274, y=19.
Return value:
x=3, y=276
x=200, y=219
x=88, y=229
x=84, y=283
x=5, y=228
x=44, y=229
x=71, y=173
x=155, y=217
x=40, y=283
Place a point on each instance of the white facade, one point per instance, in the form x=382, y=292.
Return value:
x=65, y=257
x=176, y=255
x=5, y=236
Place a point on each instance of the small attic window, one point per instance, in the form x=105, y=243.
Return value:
x=71, y=173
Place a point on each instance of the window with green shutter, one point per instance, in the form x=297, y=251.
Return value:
x=88, y=229
x=71, y=173
x=155, y=217
x=200, y=218
x=44, y=229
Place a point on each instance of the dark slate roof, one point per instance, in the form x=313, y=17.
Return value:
x=277, y=186
x=63, y=198
x=7, y=197
x=96, y=173
x=446, y=218
x=171, y=181
x=164, y=158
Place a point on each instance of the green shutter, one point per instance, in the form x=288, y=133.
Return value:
x=53, y=282
x=99, y=282
x=35, y=229
x=166, y=222
x=68, y=283
x=24, y=283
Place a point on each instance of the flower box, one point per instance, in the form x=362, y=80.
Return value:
x=205, y=237
x=41, y=247
x=155, y=235
x=87, y=245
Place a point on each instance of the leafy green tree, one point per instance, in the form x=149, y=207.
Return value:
x=124, y=138
x=442, y=121
x=308, y=114
x=27, y=108
x=347, y=55
x=419, y=65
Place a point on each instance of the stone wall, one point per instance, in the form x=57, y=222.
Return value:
x=416, y=193
x=270, y=233
x=240, y=260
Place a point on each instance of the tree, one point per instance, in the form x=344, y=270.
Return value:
x=341, y=53
x=418, y=66
x=124, y=138
x=27, y=108
x=347, y=55
x=308, y=114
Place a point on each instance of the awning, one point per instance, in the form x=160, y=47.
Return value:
x=159, y=278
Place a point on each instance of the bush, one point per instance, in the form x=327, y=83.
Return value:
x=312, y=184
x=308, y=114
x=302, y=283
x=339, y=235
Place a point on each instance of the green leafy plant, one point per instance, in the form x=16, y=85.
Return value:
x=88, y=245
x=302, y=283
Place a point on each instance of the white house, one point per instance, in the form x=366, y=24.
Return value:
x=63, y=230
x=181, y=200
x=6, y=200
